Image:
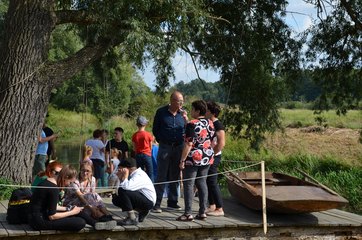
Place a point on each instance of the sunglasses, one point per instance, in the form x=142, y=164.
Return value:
x=56, y=173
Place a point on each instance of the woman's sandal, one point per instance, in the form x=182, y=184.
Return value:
x=185, y=218
x=201, y=216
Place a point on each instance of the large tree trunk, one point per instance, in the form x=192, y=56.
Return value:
x=24, y=88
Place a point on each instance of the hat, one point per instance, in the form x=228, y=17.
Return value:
x=141, y=120
x=128, y=163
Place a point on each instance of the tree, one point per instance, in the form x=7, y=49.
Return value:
x=203, y=90
x=335, y=54
x=257, y=58
x=27, y=76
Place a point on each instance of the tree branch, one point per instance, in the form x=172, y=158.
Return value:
x=81, y=17
x=62, y=70
x=186, y=49
x=352, y=14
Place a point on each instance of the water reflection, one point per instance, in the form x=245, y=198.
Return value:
x=68, y=153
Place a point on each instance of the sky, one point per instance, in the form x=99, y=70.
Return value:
x=299, y=17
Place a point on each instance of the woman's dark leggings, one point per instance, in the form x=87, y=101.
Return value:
x=73, y=223
x=212, y=185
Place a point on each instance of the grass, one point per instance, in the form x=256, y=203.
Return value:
x=71, y=126
x=303, y=117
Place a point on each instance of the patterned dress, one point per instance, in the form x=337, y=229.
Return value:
x=87, y=189
x=200, y=132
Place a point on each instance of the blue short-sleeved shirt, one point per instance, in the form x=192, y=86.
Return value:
x=42, y=147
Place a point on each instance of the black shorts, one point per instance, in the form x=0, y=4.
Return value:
x=98, y=165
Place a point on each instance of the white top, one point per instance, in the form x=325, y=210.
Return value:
x=97, y=145
x=139, y=181
x=115, y=162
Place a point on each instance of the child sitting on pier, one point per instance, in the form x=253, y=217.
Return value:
x=82, y=193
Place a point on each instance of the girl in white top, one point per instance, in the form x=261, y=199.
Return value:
x=112, y=169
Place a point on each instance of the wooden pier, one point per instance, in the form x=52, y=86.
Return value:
x=238, y=223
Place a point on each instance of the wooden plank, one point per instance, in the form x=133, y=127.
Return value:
x=346, y=215
x=171, y=218
x=3, y=232
x=3, y=210
x=14, y=230
x=29, y=230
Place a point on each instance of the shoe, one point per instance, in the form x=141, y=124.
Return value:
x=174, y=207
x=210, y=209
x=185, y=218
x=156, y=210
x=105, y=218
x=216, y=213
x=105, y=225
x=142, y=215
x=201, y=216
x=128, y=222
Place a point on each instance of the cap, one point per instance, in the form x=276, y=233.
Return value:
x=128, y=163
x=141, y=120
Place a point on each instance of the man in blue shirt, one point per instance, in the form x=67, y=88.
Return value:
x=41, y=153
x=168, y=128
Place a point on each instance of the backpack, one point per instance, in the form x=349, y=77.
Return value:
x=18, y=207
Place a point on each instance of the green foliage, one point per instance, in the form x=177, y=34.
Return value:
x=5, y=191
x=3, y=9
x=257, y=59
x=71, y=125
x=203, y=90
x=332, y=55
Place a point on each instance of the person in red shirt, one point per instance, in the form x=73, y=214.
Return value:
x=142, y=146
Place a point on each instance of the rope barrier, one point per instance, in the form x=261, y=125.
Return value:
x=24, y=79
x=159, y=183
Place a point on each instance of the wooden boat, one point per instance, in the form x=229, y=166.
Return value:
x=284, y=194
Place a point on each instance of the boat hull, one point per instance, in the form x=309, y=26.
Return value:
x=284, y=195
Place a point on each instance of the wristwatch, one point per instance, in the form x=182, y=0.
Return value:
x=69, y=208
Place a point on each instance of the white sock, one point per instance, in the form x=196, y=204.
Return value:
x=132, y=215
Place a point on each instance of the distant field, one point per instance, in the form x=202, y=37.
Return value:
x=303, y=117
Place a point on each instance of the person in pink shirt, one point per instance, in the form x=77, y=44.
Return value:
x=142, y=146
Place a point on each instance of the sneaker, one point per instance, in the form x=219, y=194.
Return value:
x=105, y=225
x=210, y=209
x=156, y=210
x=142, y=215
x=105, y=218
x=128, y=222
x=216, y=213
x=174, y=207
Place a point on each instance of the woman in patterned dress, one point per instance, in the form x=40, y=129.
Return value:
x=197, y=156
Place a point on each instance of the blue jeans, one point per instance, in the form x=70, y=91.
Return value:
x=39, y=164
x=189, y=175
x=145, y=163
x=168, y=169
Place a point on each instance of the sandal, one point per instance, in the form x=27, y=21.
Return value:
x=201, y=216
x=185, y=218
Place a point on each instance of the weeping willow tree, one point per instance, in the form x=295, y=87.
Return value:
x=247, y=41
x=140, y=29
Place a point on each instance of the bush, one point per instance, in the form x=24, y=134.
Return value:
x=5, y=191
